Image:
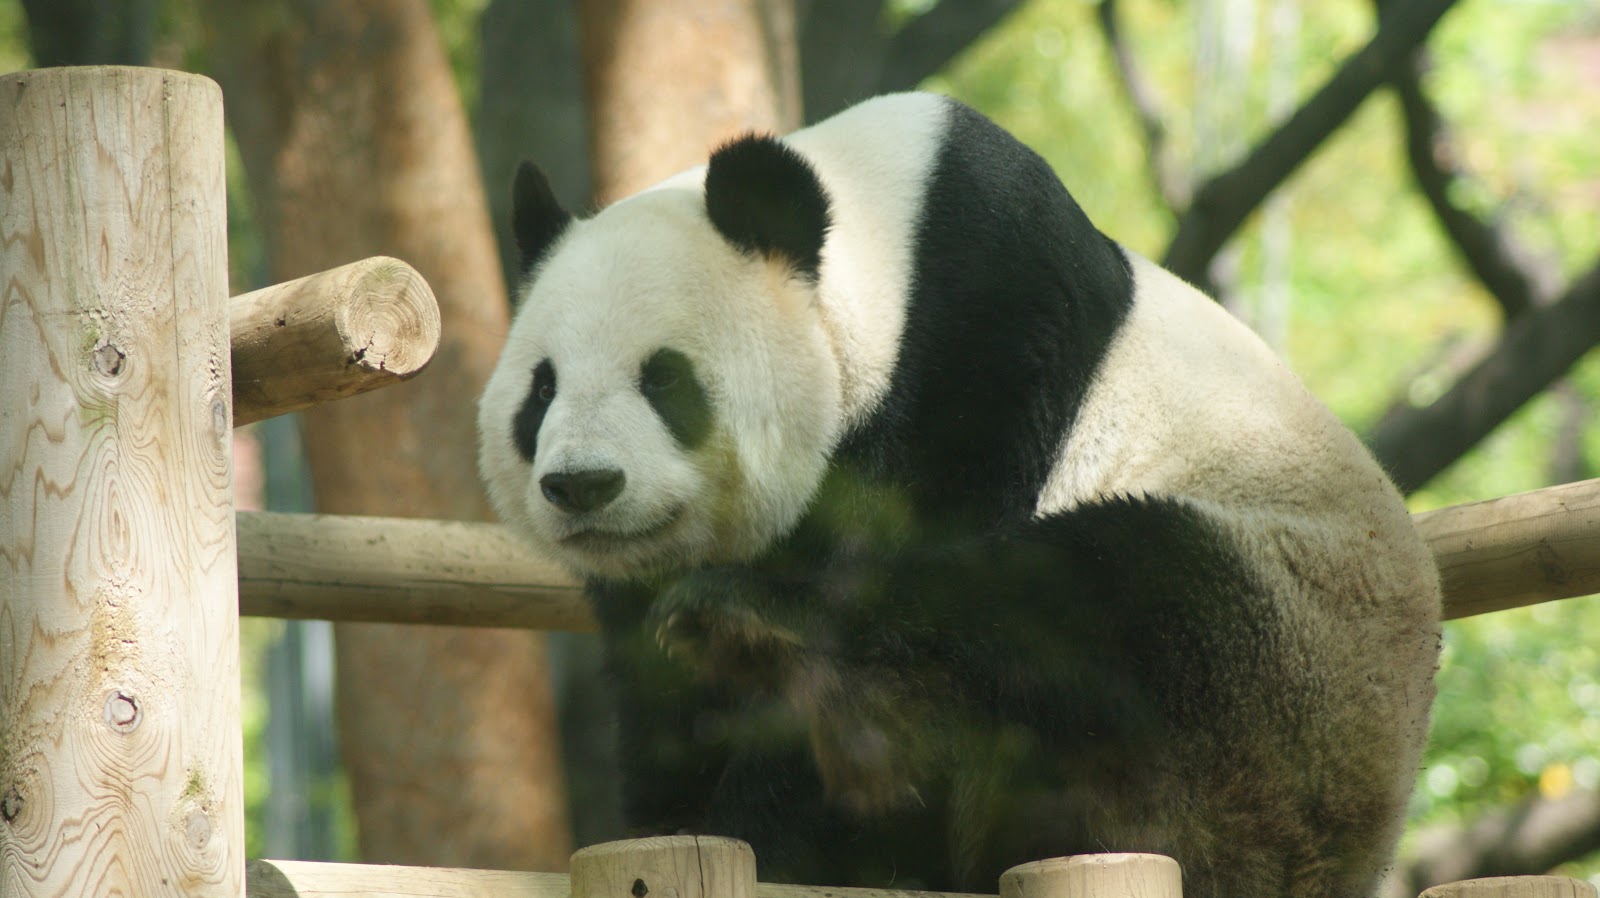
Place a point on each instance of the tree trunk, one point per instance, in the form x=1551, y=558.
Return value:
x=356, y=144
x=530, y=106
x=668, y=80
x=90, y=32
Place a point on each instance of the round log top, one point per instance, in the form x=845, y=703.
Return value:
x=391, y=318
x=1095, y=876
x=666, y=867
x=1514, y=887
x=330, y=335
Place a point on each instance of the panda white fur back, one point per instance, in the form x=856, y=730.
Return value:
x=931, y=532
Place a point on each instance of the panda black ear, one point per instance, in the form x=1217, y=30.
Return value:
x=764, y=198
x=537, y=218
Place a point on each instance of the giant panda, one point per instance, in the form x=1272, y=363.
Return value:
x=930, y=531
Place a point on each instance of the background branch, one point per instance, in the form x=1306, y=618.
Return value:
x=930, y=41
x=1148, y=108
x=848, y=54
x=1535, y=835
x=1224, y=201
x=1415, y=443
x=1488, y=249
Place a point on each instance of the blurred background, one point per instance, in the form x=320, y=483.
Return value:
x=1401, y=196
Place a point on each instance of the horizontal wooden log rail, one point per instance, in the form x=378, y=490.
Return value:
x=321, y=879
x=330, y=335
x=1517, y=550
x=399, y=570
x=660, y=863
x=1493, y=555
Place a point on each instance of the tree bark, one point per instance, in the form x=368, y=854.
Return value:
x=355, y=144
x=668, y=80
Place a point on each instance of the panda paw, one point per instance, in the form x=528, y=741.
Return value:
x=722, y=623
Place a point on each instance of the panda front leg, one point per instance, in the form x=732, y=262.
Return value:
x=1079, y=635
x=775, y=637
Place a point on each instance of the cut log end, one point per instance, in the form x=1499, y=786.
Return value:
x=1095, y=876
x=330, y=335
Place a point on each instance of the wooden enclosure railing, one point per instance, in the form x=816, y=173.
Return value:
x=1492, y=555
x=125, y=567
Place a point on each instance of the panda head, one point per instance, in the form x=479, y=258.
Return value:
x=668, y=394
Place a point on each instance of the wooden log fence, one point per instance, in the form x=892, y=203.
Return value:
x=400, y=570
x=1493, y=555
x=1513, y=887
x=125, y=566
x=674, y=863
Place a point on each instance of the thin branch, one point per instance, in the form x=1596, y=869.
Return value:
x=1148, y=107
x=1222, y=203
x=847, y=54
x=927, y=43
x=1507, y=270
x=1415, y=444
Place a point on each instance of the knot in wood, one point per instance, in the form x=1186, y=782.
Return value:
x=122, y=713
x=197, y=827
x=108, y=360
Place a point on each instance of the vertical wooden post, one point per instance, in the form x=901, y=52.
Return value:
x=666, y=866
x=120, y=747
x=1095, y=876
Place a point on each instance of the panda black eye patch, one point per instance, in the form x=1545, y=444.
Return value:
x=667, y=380
x=525, y=428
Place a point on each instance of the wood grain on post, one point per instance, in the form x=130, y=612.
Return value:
x=1517, y=550
x=120, y=745
x=668, y=866
x=1513, y=887
x=326, y=336
x=1095, y=876
x=397, y=570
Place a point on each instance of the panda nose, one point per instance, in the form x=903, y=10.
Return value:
x=582, y=490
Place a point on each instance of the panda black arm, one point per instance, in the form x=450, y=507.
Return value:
x=1097, y=621
x=662, y=712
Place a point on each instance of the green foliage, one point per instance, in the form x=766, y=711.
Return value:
x=458, y=31
x=13, y=38
x=1535, y=675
